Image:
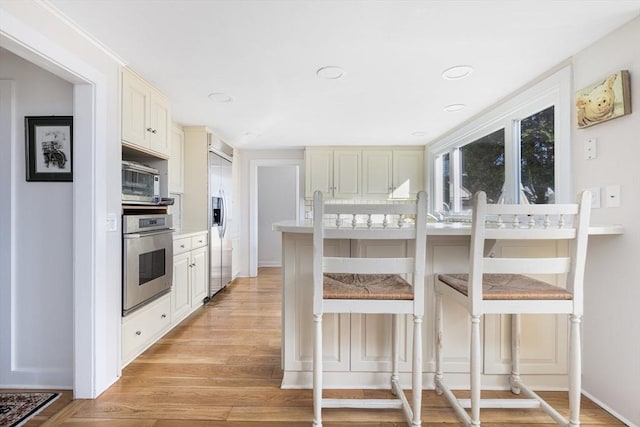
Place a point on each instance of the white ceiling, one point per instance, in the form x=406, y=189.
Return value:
x=264, y=54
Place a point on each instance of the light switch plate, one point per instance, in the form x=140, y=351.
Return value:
x=112, y=222
x=595, y=197
x=590, y=149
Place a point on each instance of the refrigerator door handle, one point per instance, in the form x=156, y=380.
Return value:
x=223, y=219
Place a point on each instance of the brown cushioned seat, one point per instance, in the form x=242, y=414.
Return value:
x=507, y=287
x=366, y=286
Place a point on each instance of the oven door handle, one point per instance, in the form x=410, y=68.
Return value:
x=149, y=233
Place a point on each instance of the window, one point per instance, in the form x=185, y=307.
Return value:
x=517, y=152
x=537, y=157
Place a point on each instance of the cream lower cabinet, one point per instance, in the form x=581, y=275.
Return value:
x=190, y=274
x=360, y=344
x=144, y=327
x=298, y=330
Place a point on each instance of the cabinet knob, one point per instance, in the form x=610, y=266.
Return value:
x=138, y=332
x=149, y=130
x=164, y=316
x=154, y=131
x=182, y=246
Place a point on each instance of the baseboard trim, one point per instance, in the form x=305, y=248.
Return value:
x=607, y=408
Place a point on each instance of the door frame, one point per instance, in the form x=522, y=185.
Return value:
x=254, y=165
x=89, y=194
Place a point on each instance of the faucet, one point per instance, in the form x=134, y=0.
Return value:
x=435, y=218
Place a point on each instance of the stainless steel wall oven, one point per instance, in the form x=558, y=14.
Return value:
x=147, y=259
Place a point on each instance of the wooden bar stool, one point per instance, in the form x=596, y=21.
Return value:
x=505, y=286
x=370, y=285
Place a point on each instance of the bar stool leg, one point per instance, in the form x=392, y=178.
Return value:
x=439, y=331
x=575, y=361
x=515, y=353
x=417, y=371
x=317, y=371
x=475, y=370
x=395, y=350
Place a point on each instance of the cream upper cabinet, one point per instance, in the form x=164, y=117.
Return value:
x=334, y=172
x=318, y=172
x=377, y=178
x=365, y=173
x=159, y=122
x=176, y=160
x=346, y=174
x=408, y=173
x=145, y=116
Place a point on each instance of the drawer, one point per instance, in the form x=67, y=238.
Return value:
x=199, y=241
x=143, y=327
x=181, y=245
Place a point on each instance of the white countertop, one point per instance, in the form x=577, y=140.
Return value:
x=187, y=233
x=436, y=228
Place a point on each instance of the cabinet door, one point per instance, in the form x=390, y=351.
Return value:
x=176, y=161
x=376, y=174
x=544, y=337
x=319, y=172
x=346, y=174
x=408, y=173
x=181, y=291
x=159, y=124
x=371, y=343
x=297, y=278
x=447, y=254
x=135, y=110
x=199, y=276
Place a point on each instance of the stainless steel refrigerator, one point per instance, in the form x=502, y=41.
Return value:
x=220, y=247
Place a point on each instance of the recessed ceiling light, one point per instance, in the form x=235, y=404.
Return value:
x=419, y=133
x=220, y=97
x=454, y=107
x=457, y=72
x=330, y=72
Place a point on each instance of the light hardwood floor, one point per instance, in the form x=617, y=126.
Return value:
x=221, y=366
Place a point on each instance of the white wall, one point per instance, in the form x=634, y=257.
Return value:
x=32, y=31
x=42, y=253
x=242, y=163
x=277, y=201
x=611, y=360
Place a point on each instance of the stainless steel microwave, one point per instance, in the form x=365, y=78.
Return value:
x=140, y=183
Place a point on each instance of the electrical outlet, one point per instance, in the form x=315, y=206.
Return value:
x=613, y=196
x=595, y=197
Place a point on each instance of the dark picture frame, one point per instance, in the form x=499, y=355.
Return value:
x=49, y=148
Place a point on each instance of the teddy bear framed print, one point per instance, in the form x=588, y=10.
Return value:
x=604, y=100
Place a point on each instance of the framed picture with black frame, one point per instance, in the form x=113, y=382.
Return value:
x=49, y=148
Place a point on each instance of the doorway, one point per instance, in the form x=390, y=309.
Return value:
x=276, y=171
x=88, y=243
x=277, y=201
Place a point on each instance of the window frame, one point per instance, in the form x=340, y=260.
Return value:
x=554, y=90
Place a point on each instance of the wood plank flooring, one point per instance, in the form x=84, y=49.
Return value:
x=221, y=367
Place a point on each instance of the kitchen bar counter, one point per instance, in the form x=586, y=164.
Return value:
x=438, y=228
x=356, y=346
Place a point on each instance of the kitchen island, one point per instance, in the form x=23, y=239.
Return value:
x=356, y=347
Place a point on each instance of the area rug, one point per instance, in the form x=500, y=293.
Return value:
x=17, y=408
